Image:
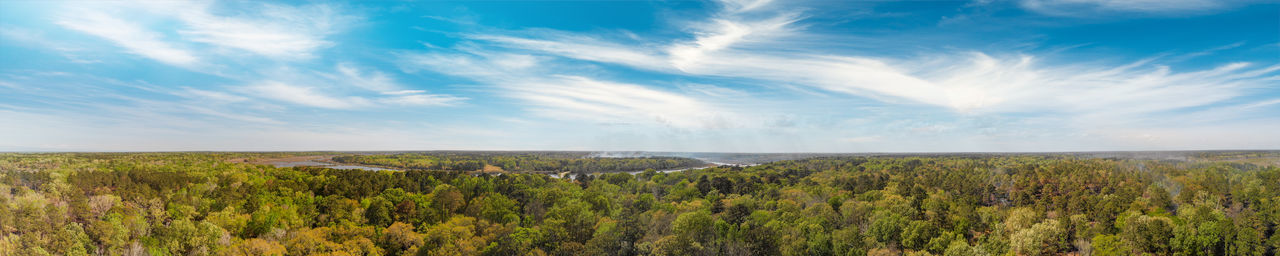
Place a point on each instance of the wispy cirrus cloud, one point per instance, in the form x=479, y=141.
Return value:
x=613, y=102
x=755, y=44
x=350, y=89
x=421, y=98
x=965, y=81
x=733, y=75
x=134, y=37
x=571, y=97
x=584, y=47
x=1093, y=8
x=302, y=95
x=104, y=100
x=183, y=33
x=739, y=6
x=74, y=52
x=369, y=80
x=723, y=34
x=73, y=111
x=206, y=95
x=275, y=31
x=202, y=36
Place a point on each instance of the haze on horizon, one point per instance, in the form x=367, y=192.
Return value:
x=683, y=76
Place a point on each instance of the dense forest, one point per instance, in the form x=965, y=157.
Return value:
x=545, y=162
x=204, y=204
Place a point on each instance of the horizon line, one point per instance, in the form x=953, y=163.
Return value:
x=652, y=151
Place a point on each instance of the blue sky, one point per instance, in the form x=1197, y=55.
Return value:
x=733, y=75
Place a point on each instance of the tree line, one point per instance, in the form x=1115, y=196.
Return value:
x=546, y=162
x=201, y=204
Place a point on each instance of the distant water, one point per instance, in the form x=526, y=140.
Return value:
x=298, y=163
x=328, y=165
x=739, y=159
x=349, y=167
x=575, y=176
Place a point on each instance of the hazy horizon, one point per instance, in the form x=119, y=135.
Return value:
x=665, y=152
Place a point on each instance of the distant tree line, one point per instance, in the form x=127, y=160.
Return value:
x=519, y=162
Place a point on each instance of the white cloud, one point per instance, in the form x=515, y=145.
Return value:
x=91, y=101
x=713, y=91
x=485, y=66
x=1260, y=104
x=232, y=116
x=391, y=91
x=987, y=84
x=721, y=34
x=739, y=6
x=585, y=48
x=315, y=97
x=334, y=97
x=302, y=95
x=134, y=37
x=750, y=42
x=421, y=99
x=574, y=97
x=403, y=92
x=214, y=96
x=374, y=81
x=1093, y=7
x=967, y=82
x=568, y=97
x=759, y=47
x=275, y=31
x=74, y=52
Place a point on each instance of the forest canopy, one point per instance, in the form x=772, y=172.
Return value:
x=207, y=204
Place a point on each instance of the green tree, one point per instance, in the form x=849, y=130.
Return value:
x=1148, y=234
x=447, y=198
x=917, y=234
x=1039, y=239
x=379, y=212
x=400, y=239
x=1109, y=245
x=959, y=248
x=494, y=207
x=886, y=226
x=570, y=221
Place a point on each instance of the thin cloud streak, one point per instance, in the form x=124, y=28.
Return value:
x=287, y=33
x=1086, y=8
x=135, y=38
x=571, y=97
x=603, y=101
x=273, y=31
x=277, y=31
x=302, y=95
x=310, y=96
